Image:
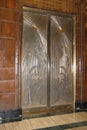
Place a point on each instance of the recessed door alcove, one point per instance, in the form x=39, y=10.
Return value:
x=47, y=61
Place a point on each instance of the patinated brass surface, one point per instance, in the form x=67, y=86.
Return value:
x=48, y=75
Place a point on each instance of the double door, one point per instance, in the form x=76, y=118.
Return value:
x=47, y=59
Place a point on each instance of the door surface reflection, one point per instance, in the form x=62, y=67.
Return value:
x=47, y=58
x=34, y=60
x=61, y=60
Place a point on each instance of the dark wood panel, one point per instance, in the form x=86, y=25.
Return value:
x=7, y=87
x=63, y=5
x=1, y=44
x=7, y=102
x=8, y=39
x=1, y=57
x=2, y=3
x=9, y=57
x=7, y=73
x=0, y=28
x=1, y=52
x=12, y=4
x=8, y=15
x=8, y=29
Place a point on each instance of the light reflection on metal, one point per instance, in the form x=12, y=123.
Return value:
x=61, y=61
x=34, y=60
x=74, y=63
x=57, y=23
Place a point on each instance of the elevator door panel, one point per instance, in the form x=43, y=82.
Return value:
x=47, y=60
x=61, y=88
x=34, y=60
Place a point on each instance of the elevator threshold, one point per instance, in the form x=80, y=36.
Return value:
x=46, y=111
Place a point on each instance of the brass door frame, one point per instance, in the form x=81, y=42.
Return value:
x=74, y=62
x=31, y=112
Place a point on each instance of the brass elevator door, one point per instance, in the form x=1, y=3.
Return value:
x=47, y=58
x=34, y=60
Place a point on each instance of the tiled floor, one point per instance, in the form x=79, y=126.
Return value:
x=44, y=122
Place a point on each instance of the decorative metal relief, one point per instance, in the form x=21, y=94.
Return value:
x=61, y=60
x=43, y=32
x=34, y=60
